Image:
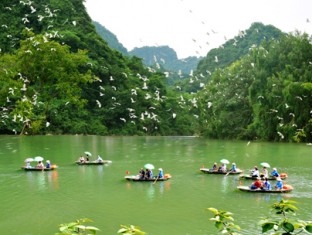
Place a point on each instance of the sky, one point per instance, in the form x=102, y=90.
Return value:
x=193, y=27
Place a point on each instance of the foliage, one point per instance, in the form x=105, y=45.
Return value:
x=77, y=227
x=223, y=221
x=285, y=225
x=130, y=230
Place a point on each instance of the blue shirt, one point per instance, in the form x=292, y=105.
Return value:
x=279, y=184
x=233, y=167
x=161, y=174
x=267, y=185
x=275, y=173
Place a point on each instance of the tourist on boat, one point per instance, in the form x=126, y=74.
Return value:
x=81, y=159
x=48, y=165
x=87, y=158
x=257, y=184
x=222, y=168
x=99, y=159
x=40, y=165
x=233, y=169
x=142, y=174
x=275, y=173
x=279, y=184
x=160, y=173
x=266, y=184
x=148, y=174
x=215, y=167
x=264, y=172
x=255, y=172
x=28, y=164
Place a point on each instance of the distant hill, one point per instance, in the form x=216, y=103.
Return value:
x=110, y=38
x=166, y=57
x=158, y=57
x=237, y=47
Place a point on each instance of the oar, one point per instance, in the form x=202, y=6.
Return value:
x=156, y=179
x=228, y=173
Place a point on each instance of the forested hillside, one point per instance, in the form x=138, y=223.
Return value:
x=58, y=76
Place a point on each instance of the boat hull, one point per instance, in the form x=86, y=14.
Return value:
x=210, y=171
x=137, y=179
x=37, y=169
x=247, y=189
x=248, y=177
x=93, y=162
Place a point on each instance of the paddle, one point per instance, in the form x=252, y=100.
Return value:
x=156, y=179
x=228, y=173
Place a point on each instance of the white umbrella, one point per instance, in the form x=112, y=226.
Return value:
x=38, y=159
x=265, y=164
x=149, y=166
x=225, y=161
x=29, y=159
x=88, y=153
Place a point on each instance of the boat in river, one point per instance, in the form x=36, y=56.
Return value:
x=229, y=172
x=137, y=178
x=286, y=189
x=249, y=177
x=39, y=169
x=96, y=162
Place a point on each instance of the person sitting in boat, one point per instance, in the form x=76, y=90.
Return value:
x=142, y=174
x=266, y=184
x=279, y=184
x=275, y=173
x=87, y=158
x=148, y=174
x=264, y=172
x=48, y=165
x=257, y=184
x=28, y=164
x=81, y=159
x=255, y=172
x=99, y=159
x=160, y=173
x=222, y=168
x=215, y=167
x=40, y=165
x=233, y=169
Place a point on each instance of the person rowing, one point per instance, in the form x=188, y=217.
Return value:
x=274, y=173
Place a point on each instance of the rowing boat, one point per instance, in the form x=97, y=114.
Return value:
x=93, y=162
x=249, y=177
x=137, y=178
x=37, y=169
x=210, y=171
x=286, y=189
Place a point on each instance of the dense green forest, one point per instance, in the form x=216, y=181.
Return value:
x=59, y=76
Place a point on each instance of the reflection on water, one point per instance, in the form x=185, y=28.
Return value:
x=42, y=180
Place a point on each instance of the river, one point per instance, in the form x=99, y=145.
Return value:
x=35, y=203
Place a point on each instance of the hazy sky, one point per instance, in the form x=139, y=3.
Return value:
x=193, y=27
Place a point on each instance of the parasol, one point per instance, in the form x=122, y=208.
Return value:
x=38, y=159
x=265, y=164
x=29, y=159
x=225, y=161
x=149, y=166
x=88, y=153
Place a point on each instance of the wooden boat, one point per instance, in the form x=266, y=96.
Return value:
x=249, y=177
x=210, y=171
x=93, y=162
x=136, y=178
x=286, y=189
x=38, y=169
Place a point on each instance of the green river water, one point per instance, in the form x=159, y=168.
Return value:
x=35, y=203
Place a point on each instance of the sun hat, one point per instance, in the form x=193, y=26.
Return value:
x=160, y=169
x=233, y=163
